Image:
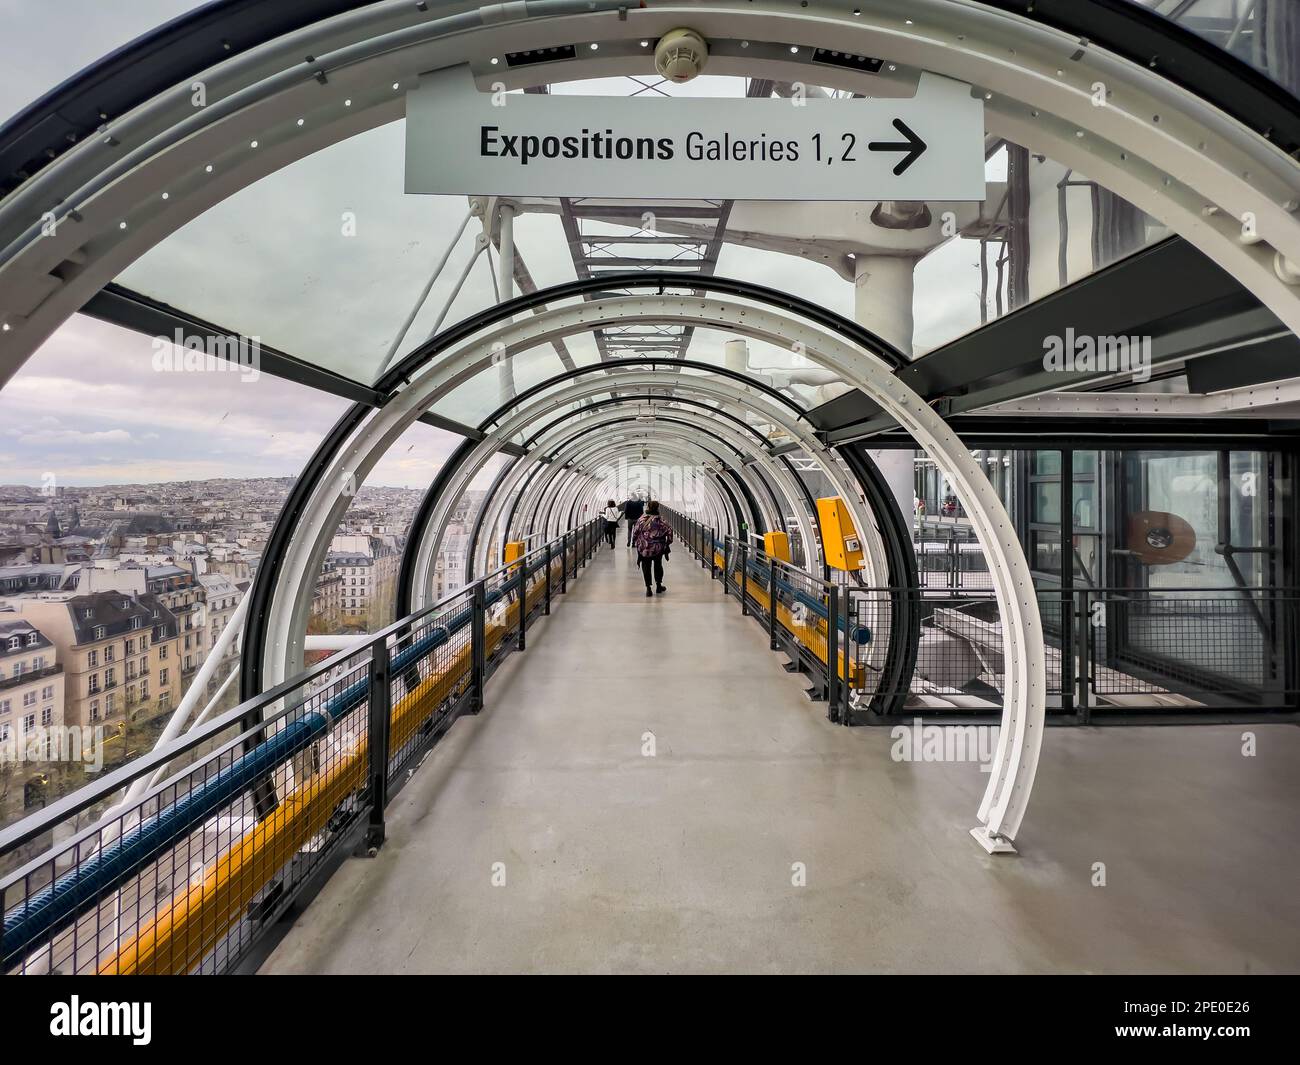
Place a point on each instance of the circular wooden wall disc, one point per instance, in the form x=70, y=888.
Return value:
x=1157, y=538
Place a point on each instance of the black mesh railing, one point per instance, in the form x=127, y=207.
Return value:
x=1109, y=652
x=180, y=861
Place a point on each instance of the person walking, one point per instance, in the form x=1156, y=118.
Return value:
x=652, y=536
x=612, y=514
x=632, y=511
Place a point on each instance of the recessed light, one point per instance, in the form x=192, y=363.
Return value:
x=166, y=195
x=347, y=103
x=794, y=48
x=645, y=44
x=121, y=225
x=495, y=61
x=252, y=144
x=208, y=168
x=594, y=46
x=300, y=121
x=5, y=327
x=396, y=85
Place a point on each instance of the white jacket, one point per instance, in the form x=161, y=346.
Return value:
x=612, y=514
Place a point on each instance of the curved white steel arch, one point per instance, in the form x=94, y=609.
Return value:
x=546, y=483
x=586, y=490
x=747, y=446
x=520, y=418
x=1159, y=146
x=587, y=453
x=1016, y=757
x=518, y=474
x=552, y=442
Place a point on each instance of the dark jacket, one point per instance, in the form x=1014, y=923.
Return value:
x=633, y=509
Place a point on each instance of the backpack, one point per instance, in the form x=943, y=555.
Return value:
x=652, y=536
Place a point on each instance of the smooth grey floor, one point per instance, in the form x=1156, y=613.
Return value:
x=682, y=862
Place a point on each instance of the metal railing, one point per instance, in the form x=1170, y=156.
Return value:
x=1110, y=652
x=805, y=616
x=191, y=876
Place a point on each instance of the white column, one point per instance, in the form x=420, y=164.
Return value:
x=506, y=289
x=882, y=301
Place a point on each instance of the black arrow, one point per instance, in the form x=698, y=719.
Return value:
x=914, y=146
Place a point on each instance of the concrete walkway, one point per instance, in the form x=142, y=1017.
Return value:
x=685, y=861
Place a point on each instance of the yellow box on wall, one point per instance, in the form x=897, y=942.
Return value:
x=840, y=540
x=776, y=545
x=514, y=551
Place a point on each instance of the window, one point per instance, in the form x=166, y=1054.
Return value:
x=92, y=659
x=94, y=683
x=33, y=638
x=110, y=677
x=108, y=703
x=47, y=716
x=162, y=676
x=15, y=643
x=94, y=709
x=99, y=632
x=108, y=653
x=162, y=652
x=4, y=706
x=135, y=623
x=47, y=692
x=4, y=732
x=38, y=663
x=144, y=688
x=130, y=647
x=29, y=698
x=29, y=724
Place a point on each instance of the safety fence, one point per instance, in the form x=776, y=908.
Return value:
x=181, y=861
x=1111, y=653
x=806, y=617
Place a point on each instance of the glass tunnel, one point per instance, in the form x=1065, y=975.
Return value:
x=955, y=342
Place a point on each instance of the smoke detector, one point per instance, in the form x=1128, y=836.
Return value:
x=680, y=55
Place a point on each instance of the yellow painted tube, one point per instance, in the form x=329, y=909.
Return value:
x=189, y=927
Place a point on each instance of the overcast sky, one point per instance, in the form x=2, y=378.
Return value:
x=274, y=262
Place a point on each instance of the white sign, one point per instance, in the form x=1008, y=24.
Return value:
x=464, y=142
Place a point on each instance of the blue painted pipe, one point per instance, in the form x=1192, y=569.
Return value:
x=759, y=572
x=49, y=910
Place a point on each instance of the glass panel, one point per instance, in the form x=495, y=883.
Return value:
x=1046, y=507
x=141, y=489
x=357, y=584
x=326, y=258
x=1259, y=32
x=1047, y=463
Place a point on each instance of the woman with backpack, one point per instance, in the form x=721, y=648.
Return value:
x=652, y=537
x=612, y=514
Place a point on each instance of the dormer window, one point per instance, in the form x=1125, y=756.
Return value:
x=99, y=632
x=33, y=638
x=87, y=614
x=135, y=623
x=15, y=643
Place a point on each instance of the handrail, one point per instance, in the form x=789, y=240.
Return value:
x=44, y=912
